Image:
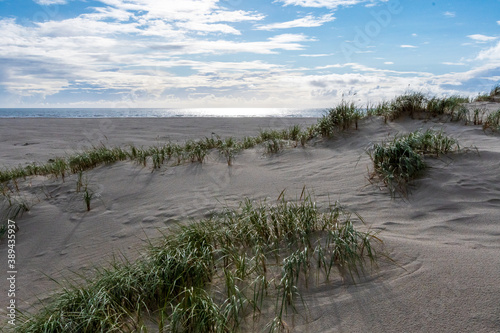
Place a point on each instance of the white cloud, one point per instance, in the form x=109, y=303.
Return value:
x=50, y=2
x=449, y=14
x=202, y=11
x=95, y=52
x=233, y=66
x=233, y=16
x=150, y=53
x=317, y=55
x=288, y=42
x=453, y=63
x=330, y=66
x=405, y=46
x=208, y=28
x=331, y=4
x=98, y=62
x=482, y=38
x=363, y=68
x=153, y=18
x=490, y=54
x=82, y=26
x=197, y=16
x=304, y=22
x=108, y=13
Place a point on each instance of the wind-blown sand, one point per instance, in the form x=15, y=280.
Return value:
x=445, y=238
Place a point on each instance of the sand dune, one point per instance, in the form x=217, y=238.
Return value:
x=444, y=238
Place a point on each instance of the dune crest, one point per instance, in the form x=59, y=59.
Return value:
x=443, y=236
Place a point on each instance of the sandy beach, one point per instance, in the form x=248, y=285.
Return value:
x=443, y=238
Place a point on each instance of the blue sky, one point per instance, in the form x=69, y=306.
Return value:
x=243, y=53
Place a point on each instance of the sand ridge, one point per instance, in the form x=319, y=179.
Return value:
x=443, y=237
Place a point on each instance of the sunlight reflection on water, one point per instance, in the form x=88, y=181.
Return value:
x=157, y=112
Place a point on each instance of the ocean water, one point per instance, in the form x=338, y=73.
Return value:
x=157, y=112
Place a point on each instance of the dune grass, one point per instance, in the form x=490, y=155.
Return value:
x=229, y=148
x=339, y=118
x=342, y=117
x=415, y=104
x=274, y=145
x=492, y=121
x=409, y=103
x=211, y=275
x=95, y=156
x=494, y=93
x=87, y=196
x=13, y=204
x=14, y=207
x=446, y=105
x=401, y=160
x=380, y=109
x=194, y=151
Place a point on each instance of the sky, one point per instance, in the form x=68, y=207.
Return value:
x=243, y=53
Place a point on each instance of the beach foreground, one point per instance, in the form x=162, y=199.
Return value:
x=443, y=238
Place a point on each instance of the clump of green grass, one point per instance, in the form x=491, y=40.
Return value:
x=248, y=142
x=79, y=182
x=396, y=163
x=7, y=175
x=431, y=142
x=492, y=121
x=400, y=160
x=478, y=116
x=83, y=188
x=482, y=98
x=294, y=133
x=195, y=151
x=494, y=93
x=275, y=140
x=139, y=155
x=57, y=167
x=381, y=109
x=91, y=158
x=157, y=156
x=229, y=148
x=467, y=116
x=308, y=134
x=266, y=135
x=6, y=192
x=416, y=103
x=445, y=105
x=213, y=142
x=409, y=103
x=192, y=150
x=339, y=118
x=15, y=208
x=209, y=276
x=274, y=145
x=87, y=196
x=461, y=114
x=13, y=204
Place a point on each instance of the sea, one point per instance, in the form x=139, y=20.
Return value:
x=158, y=112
